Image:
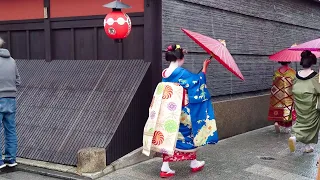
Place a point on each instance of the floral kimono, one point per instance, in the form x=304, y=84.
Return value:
x=197, y=126
x=281, y=108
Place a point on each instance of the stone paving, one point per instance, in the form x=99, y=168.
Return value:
x=257, y=155
x=20, y=175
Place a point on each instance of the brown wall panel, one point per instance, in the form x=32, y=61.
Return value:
x=84, y=44
x=21, y=9
x=133, y=45
x=37, y=46
x=18, y=41
x=61, y=44
x=106, y=46
x=62, y=8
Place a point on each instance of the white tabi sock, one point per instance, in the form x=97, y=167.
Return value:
x=165, y=168
x=196, y=164
x=308, y=148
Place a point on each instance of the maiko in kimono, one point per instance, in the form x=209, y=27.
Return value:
x=181, y=115
x=281, y=109
x=306, y=91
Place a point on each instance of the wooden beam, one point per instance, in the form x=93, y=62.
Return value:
x=28, y=44
x=153, y=38
x=95, y=43
x=73, y=49
x=120, y=50
x=47, y=30
x=9, y=40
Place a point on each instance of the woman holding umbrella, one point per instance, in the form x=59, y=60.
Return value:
x=197, y=123
x=306, y=91
x=281, y=108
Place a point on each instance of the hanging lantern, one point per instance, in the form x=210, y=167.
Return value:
x=117, y=24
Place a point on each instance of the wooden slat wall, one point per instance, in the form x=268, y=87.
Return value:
x=76, y=38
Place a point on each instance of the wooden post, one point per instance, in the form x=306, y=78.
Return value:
x=153, y=38
x=120, y=50
x=28, y=44
x=73, y=50
x=9, y=40
x=47, y=29
x=95, y=43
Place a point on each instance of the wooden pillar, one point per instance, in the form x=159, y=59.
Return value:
x=120, y=50
x=9, y=40
x=28, y=44
x=95, y=43
x=73, y=49
x=153, y=38
x=47, y=30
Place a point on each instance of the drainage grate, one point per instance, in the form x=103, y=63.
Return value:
x=267, y=158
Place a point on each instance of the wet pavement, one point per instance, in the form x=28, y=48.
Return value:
x=24, y=172
x=257, y=155
x=21, y=175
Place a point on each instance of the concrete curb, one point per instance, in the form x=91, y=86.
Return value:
x=47, y=165
x=135, y=157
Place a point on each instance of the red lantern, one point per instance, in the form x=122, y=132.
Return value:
x=117, y=24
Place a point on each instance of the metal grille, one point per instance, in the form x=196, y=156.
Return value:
x=66, y=105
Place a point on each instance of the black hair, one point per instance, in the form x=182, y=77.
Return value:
x=308, y=59
x=283, y=63
x=174, y=52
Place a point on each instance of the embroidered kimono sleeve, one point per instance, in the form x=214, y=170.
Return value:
x=195, y=85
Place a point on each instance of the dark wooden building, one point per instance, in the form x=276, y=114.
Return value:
x=80, y=89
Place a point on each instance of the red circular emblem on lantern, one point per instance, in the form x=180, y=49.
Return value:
x=117, y=25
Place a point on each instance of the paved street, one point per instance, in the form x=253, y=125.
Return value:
x=20, y=175
x=257, y=155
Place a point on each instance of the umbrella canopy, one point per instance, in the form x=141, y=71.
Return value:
x=217, y=50
x=313, y=45
x=288, y=55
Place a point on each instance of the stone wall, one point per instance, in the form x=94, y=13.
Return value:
x=241, y=115
x=253, y=30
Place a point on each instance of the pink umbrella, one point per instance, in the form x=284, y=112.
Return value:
x=313, y=45
x=288, y=55
x=217, y=50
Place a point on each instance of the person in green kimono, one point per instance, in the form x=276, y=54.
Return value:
x=306, y=90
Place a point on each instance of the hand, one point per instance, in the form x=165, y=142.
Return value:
x=205, y=65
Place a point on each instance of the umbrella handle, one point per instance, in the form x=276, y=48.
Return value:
x=210, y=58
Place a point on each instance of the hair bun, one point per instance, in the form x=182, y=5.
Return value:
x=173, y=53
x=171, y=48
x=306, y=54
